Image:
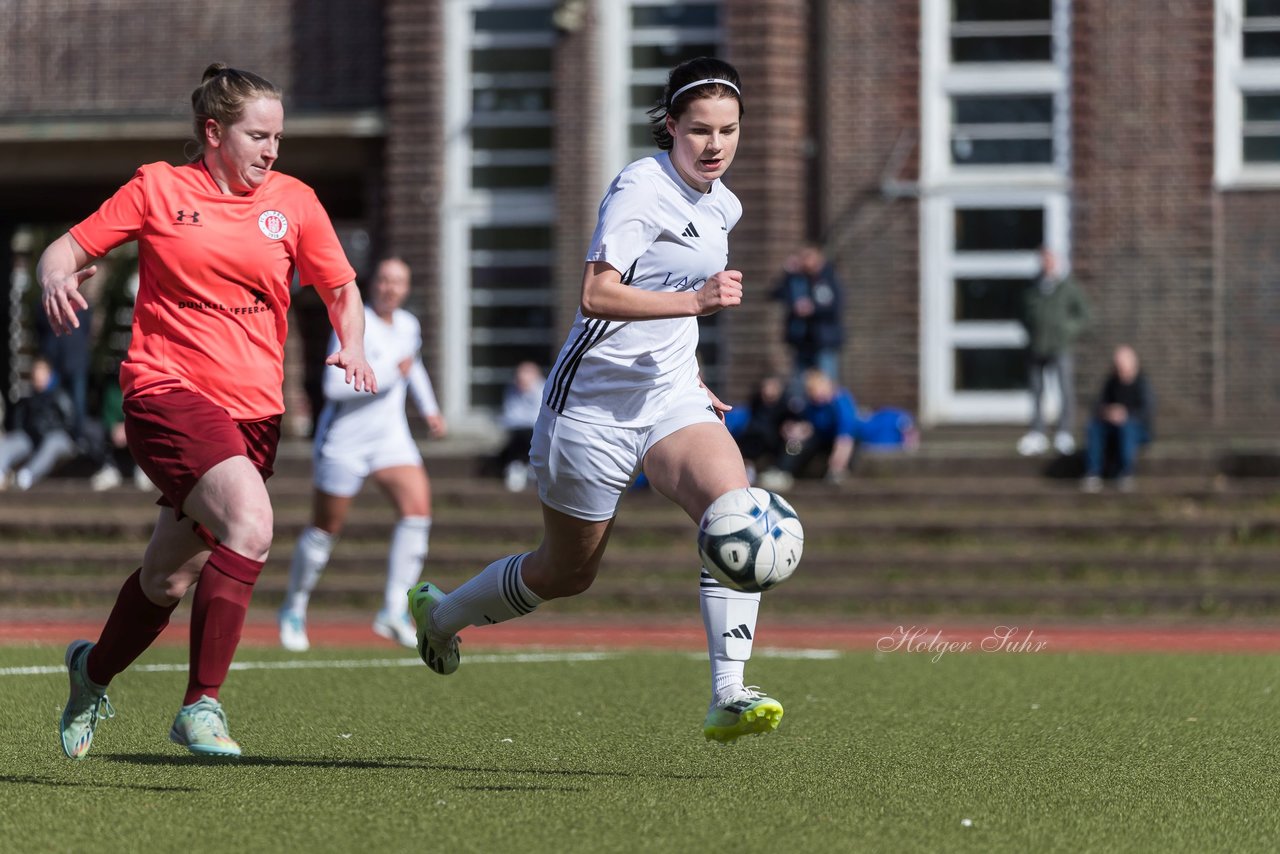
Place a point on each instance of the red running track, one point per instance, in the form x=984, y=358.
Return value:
x=921, y=638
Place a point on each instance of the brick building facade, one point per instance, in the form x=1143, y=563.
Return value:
x=932, y=145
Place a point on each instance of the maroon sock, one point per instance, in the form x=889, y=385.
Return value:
x=217, y=616
x=135, y=623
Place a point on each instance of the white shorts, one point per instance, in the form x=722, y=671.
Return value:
x=584, y=468
x=342, y=471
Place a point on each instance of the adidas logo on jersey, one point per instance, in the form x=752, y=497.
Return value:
x=690, y=231
x=741, y=632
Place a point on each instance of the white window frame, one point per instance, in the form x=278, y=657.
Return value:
x=618, y=75
x=941, y=80
x=463, y=206
x=1235, y=77
x=941, y=334
x=944, y=186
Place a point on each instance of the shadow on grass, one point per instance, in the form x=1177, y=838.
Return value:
x=390, y=762
x=33, y=780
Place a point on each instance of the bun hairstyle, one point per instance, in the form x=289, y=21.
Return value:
x=704, y=77
x=222, y=95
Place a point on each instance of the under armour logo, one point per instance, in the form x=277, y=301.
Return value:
x=194, y=216
x=690, y=231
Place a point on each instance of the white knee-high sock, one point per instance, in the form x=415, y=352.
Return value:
x=497, y=594
x=729, y=616
x=310, y=557
x=404, y=564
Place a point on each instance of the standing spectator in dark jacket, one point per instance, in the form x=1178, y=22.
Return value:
x=1055, y=313
x=812, y=294
x=41, y=434
x=1122, y=420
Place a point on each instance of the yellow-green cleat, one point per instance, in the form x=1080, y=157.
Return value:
x=749, y=712
x=440, y=654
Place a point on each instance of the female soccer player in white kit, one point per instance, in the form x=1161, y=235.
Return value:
x=625, y=395
x=360, y=436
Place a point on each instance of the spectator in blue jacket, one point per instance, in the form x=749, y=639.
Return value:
x=827, y=426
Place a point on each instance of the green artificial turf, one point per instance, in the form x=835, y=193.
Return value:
x=877, y=752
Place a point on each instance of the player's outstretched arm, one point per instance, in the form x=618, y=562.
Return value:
x=604, y=296
x=346, y=314
x=61, y=271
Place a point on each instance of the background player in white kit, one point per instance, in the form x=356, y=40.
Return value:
x=625, y=395
x=359, y=436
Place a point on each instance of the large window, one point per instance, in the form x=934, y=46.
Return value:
x=500, y=211
x=998, y=91
x=1247, y=92
x=662, y=34
x=499, y=224
x=995, y=162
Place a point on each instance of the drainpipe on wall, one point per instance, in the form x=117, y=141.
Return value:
x=1218, y=332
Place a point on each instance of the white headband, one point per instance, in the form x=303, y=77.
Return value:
x=688, y=86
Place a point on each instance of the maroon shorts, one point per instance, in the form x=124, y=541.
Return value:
x=176, y=437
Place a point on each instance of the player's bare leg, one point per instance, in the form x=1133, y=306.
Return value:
x=231, y=503
x=693, y=467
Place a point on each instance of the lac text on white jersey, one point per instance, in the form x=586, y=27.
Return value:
x=661, y=235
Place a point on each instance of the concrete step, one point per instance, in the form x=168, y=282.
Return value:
x=855, y=531
x=914, y=491
x=850, y=597
x=68, y=562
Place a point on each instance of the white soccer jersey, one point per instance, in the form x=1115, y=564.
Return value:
x=662, y=235
x=355, y=421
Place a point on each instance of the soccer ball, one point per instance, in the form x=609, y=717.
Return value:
x=751, y=539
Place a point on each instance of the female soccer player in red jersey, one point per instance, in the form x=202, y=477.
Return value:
x=220, y=239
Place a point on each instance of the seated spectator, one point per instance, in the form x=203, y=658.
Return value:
x=42, y=431
x=110, y=448
x=1122, y=420
x=757, y=425
x=828, y=425
x=520, y=406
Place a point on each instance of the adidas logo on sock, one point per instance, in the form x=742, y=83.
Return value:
x=741, y=632
x=690, y=231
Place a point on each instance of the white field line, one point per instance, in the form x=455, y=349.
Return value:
x=368, y=663
x=336, y=664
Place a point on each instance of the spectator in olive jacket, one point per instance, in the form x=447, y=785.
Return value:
x=1055, y=312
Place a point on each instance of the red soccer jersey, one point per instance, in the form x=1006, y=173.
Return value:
x=214, y=272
